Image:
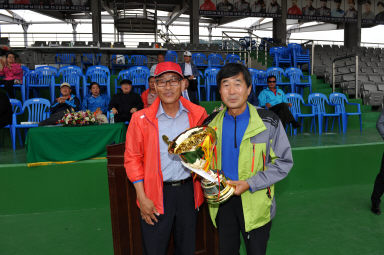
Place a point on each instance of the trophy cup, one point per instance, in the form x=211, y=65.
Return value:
x=197, y=149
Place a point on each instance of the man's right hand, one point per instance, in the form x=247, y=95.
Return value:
x=268, y=105
x=148, y=210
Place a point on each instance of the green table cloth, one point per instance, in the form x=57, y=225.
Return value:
x=46, y=145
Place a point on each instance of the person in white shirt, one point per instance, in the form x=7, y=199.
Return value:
x=191, y=73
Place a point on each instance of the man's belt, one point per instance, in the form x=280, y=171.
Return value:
x=178, y=183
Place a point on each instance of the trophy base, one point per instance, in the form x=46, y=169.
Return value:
x=217, y=193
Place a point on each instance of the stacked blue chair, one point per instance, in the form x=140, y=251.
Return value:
x=16, y=110
x=138, y=60
x=300, y=56
x=139, y=76
x=253, y=73
x=119, y=62
x=200, y=60
x=284, y=57
x=340, y=100
x=65, y=58
x=279, y=74
x=99, y=74
x=201, y=84
x=232, y=58
x=297, y=100
x=215, y=60
x=41, y=77
x=90, y=59
x=210, y=81
x=274, y=53
x=262, y=78
x=318, y=100
x=171, y=56
x=72, y=75
x=298, y=80
x=37, y=109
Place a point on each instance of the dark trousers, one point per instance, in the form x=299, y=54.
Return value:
x=180, y=216
x=192, y=91
x=378, y=188
x=285, y=115
x=8, y=85
x=230, y=223
x=53, y=119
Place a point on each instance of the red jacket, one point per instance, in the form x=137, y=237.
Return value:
x=16, y=73
x=142, y=151
x=144, y=98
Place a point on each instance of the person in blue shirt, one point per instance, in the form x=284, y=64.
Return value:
x=95, y=100
x=274, y=99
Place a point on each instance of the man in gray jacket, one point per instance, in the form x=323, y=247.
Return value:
x=378, y=188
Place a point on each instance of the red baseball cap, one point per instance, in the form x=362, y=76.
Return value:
x=165, y=67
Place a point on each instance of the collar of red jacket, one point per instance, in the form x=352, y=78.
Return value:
x=195, y=110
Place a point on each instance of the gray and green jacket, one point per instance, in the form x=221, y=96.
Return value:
x=260, y=169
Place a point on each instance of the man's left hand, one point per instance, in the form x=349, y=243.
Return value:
x=241, y=186
x=133, y=110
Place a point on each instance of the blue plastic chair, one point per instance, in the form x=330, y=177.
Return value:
x=253, y=73
x=299, y=55
x=41, y=77
x=199, y=59
x=279, y=74
x=171, y=56
x=284, y=57
x=318, y=100
x=274, y=53
x=201, y=84
x=262, y=78
x=210, y=81
x=65, y=58
x=297, y=101
x=72, y=75
x=232, y=58
x=138, y=60
x=119, y=62
x=215, y=60
x=90, y=59
x=99, y=74
x=298, y=80
x=16, y=110
x=139, y=76
x=340, y=100
x=37, y=109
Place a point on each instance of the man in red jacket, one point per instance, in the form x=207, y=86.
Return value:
x=167, y=195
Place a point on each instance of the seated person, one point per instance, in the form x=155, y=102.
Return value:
x=150, y=94
x=274, y=99
x=96, y=103
x=160, y=58
x=126, y=102
x=63, y=103
x=12, y=72
x=191, y=73
x=5, y=110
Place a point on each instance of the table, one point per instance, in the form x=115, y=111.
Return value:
x=58, y=144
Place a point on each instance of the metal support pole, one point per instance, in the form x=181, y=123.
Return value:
x=357, y=77
x=74, y=26
x=122, y=37
x=155, y=22
x=25, y=28
x=312, y=57
x=333, y=76
x=210, y=35
x=265, y=54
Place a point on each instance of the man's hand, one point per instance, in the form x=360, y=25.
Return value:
x=114, y=111
x=133, y=110
x=147, y=210
x=268, y=105
x=241, y=186
x=191, y=77
x=61, y=100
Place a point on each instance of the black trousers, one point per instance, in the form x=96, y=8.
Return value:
x=180, y=216
x=378, y=188
x=53, y=119
x=285, y=115
x=230, y=223
x=8, y=85
x=192, y=91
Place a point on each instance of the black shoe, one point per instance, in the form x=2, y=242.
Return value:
x=376, y=209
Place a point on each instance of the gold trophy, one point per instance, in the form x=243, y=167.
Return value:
x=197, y=149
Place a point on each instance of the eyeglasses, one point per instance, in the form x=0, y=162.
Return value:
x=173, y=82
x=271, y=81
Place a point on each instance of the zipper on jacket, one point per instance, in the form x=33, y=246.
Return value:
x=268, y=188
x=235, y=133
x=253, y=158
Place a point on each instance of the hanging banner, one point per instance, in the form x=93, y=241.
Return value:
x=57, y=5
